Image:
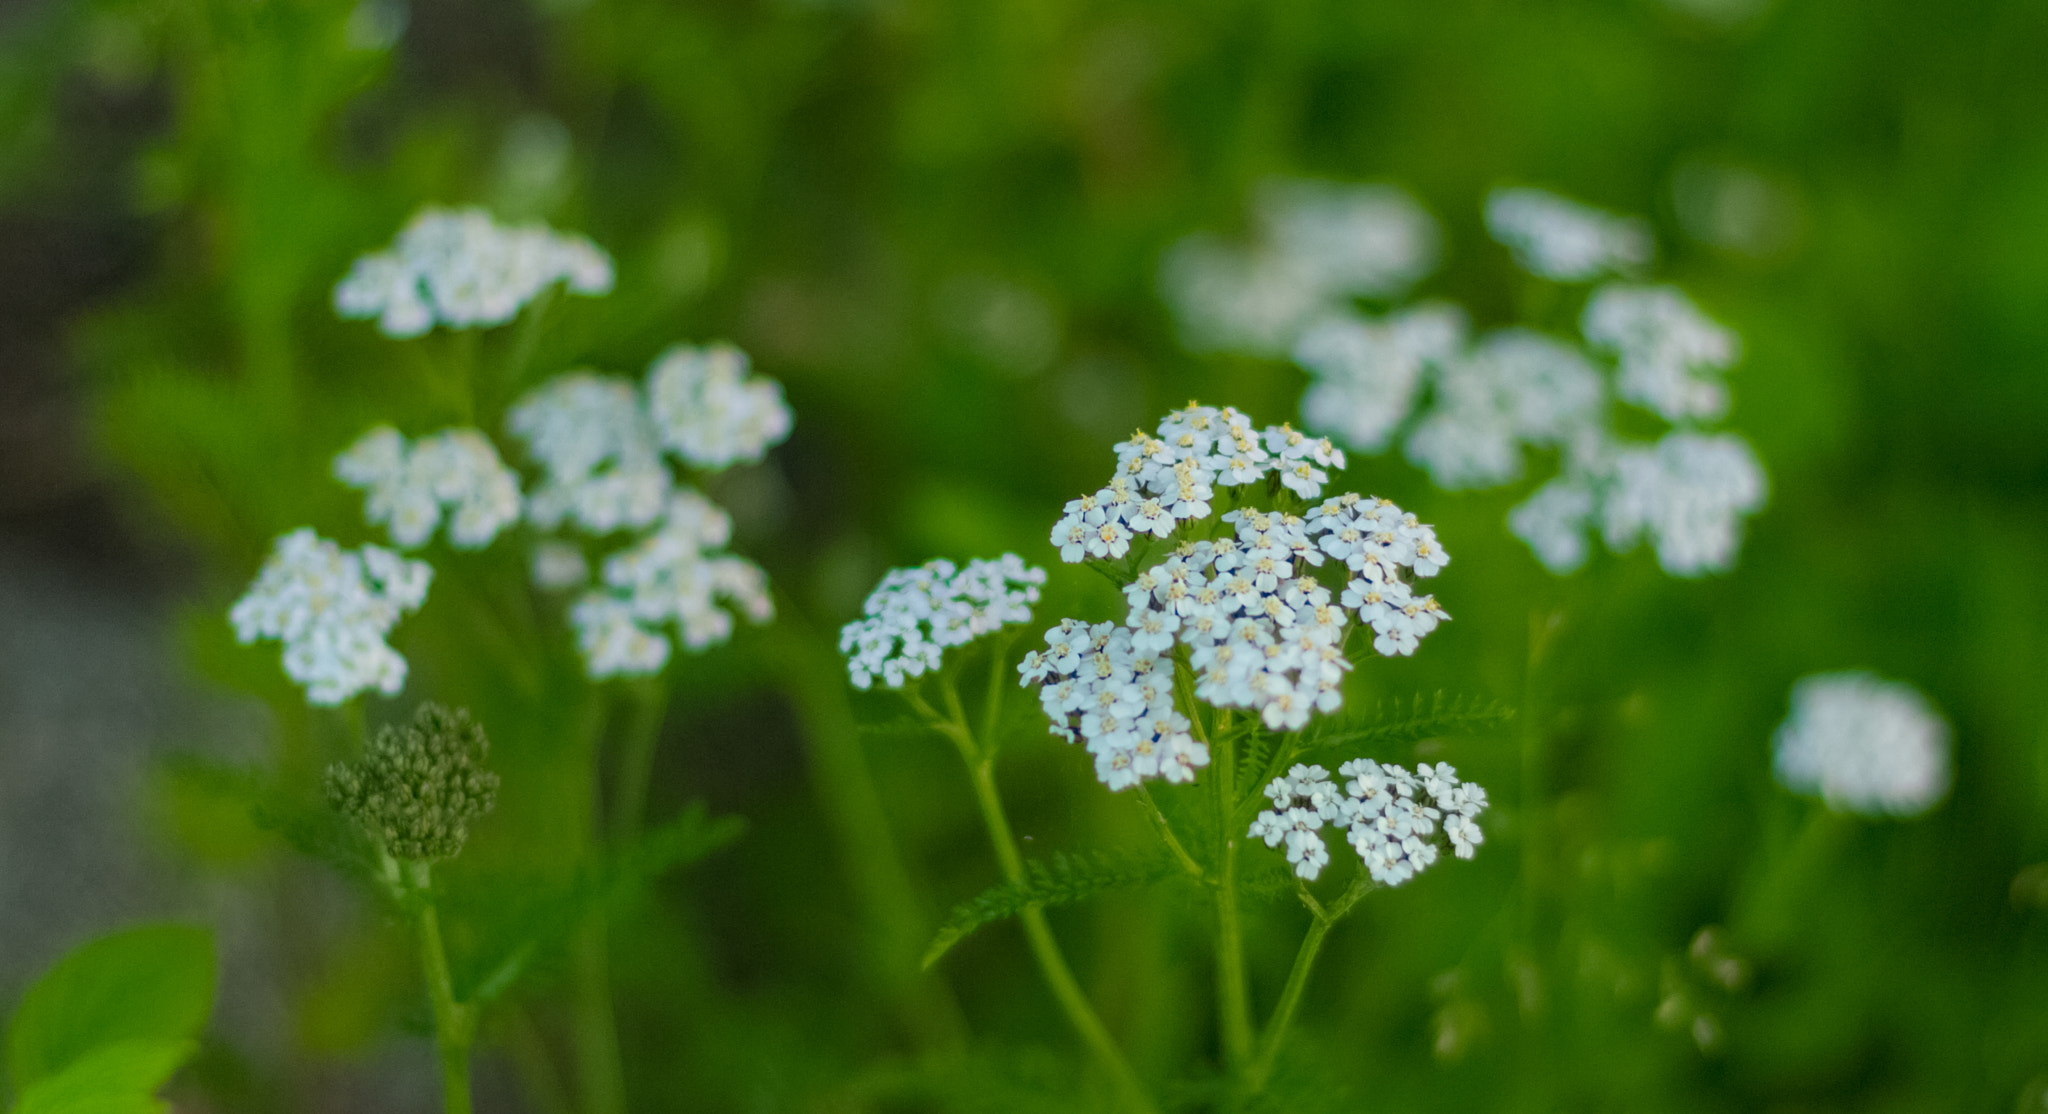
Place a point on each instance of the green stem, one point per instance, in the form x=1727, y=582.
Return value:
x=600, y=1073
x=454, y=1022
x=530, y=1058
x=1324, y=919
x=1173, y=844
x=1233, y=999
x=636, y=760
x=1052, y=963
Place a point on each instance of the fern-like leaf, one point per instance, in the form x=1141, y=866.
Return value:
x=1395, y=723
x=1061, y=880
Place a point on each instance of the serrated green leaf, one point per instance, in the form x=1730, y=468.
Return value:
x=117, y=1078
x=1394, y=723
x=1061, y=880
x=154, y=982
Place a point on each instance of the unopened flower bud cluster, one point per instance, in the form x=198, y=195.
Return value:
x=418, y=787
x=1468, y=409
x=1391, y=817
x=915, y=615
x=1864, y=745
x=461, y=269
x=410, y=486
x=332, y=608
x=1260, y=629
x=598, y=442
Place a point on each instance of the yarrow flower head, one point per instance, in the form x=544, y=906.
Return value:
x=1317, y=245
x=1671, y=354
x=1515, y=389
x=418, y=787
x=1559, y=239
x=461, y=269
x=598, y=452
x=410, y=485
x=1259, y=627
x=915, y=615
x=1365, y=375
x=709, y=411
x=332, y=608
x=1392, y=817
x=676, y=575
x=1864, y=745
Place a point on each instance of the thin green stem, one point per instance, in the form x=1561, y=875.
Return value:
x=1323, y=919
x=1233, y=999
x=600, y=1072
x=636, y=760
x=531, y=1059
x=1173, y=844
x=1052, y=963
x=454, y=1022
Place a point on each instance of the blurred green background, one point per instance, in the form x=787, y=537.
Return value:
x=938, y=224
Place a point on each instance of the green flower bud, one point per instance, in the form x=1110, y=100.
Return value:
x=418, y=787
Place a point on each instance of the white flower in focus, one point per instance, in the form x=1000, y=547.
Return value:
x=598, y=450
x=461, y=269
x=410, y=487
x=1671, y=354
x=1562, y=240
x=1864, y=745
x=915, y=615
x=332, y=609
x=675, y=575
x=1689, y=493
x=1515, y=388
x=1369, y=241
x=1391, y=815
x=709, y=411
x=1365, y=374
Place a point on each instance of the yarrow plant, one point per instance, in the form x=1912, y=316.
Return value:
x=461, y=269
x=332, y=608
x=1468, y=409
x=1864, y=745
x=1243, y=590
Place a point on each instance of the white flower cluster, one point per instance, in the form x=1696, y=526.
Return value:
x=461, y=269
x=709, y=412
x=1389, y=815
x=1864, y=745
x=409, y=485
x=599, y=453
x=1670, y=353
x=332, y=609
x=1166, y=480
x=1261, y=631
x=1317, y=245
x=915, y=615
x=678, y=575
x=1468, y=410
x=1559, y=239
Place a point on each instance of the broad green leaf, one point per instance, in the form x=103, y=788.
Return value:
x=117, y=1078
x=153, y=982
x=1060, y=880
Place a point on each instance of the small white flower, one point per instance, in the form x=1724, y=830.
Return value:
x=1555, y=238
x=456, y=471
x=559, y=564
x=1515, y=388
x=332, y=609
x=461, y=269
x=1671, y=354
x=1553, y=522
x=1689, y=493
x=1365, y=374
x=1864, y=745
x=914, y=615
x=710, y=412
x=598, y=452
x=1390, y=814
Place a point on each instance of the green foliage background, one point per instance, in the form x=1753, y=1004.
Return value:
x=854, y=192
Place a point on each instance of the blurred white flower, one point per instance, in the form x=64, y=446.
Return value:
x=1554, y=520
x=461, y=269
x=332, y=608
x=410, y=486
x=559, y=564
x=1559, y=239
x=598, y=450
x=1318, y=245
x=1689, y=493
x=1864, y=745
x=1671, y=354
x=676, y=575
x=1364, y=374
x=1515, y=388
x=915, y=615
x=709, y=411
